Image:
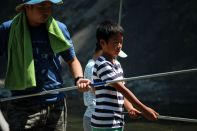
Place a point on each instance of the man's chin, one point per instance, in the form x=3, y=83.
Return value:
x=45, y=18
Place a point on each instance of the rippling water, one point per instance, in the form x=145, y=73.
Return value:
x=75, y=123
x=76, y=110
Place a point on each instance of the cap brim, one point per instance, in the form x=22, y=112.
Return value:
x=32, y=2
x=122, y=54
x=19, y=7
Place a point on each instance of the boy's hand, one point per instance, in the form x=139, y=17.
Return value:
x=150, y=114
x=134, y=113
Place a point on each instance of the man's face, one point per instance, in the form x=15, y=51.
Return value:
x=38, y=13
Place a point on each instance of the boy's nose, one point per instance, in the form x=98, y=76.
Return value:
x=119, y=45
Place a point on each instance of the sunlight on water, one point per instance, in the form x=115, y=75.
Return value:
x=75, y=123
x=76, y=110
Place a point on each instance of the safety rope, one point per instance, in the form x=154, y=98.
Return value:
x=64, y=89
x=115, y=81
x=120, y=12
x=172, y=118
x=177, y=119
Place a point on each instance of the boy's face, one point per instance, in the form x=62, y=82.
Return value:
x=113, y=46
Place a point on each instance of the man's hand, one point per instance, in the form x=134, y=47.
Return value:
x=83, y=84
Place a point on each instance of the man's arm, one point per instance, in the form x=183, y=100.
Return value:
x=4, y=36
x=75, y=67
x=2, y=41
x=73, y=62
x=77, y=72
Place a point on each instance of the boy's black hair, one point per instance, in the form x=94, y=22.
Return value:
x=106, y=29
x=98, y=47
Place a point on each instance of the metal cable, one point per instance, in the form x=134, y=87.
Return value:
x=64, y=89
x=177, y=119
x=114, y=81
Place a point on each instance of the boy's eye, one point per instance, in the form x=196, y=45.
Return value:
x=116, y=42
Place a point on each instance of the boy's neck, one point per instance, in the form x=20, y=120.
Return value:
x=96, y=54
x=109, y=58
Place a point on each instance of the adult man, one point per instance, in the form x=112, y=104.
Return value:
x=34, y=42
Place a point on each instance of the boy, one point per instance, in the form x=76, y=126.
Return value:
x=89, y=97
x=108, y=113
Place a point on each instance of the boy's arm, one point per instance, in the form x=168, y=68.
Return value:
x=133, y=112
x=147, y=112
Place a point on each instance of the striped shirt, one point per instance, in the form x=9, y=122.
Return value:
x=109, y=102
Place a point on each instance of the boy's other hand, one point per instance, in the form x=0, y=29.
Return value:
x=150, y=114
x=134, y=113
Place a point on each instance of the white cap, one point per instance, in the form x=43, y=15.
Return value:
x=122, y=54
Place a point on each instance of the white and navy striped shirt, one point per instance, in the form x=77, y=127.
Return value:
x=109, y=102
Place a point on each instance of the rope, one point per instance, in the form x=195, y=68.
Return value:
x=64, y=89
x=146, y=77
x=40, y=93
x=114, y=81
x=171, y=118
x=177, y=119
x=120, y=13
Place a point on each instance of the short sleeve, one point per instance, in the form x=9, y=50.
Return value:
x=4, y=36
x=70, y=53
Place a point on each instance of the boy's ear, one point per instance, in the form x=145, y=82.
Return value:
x=102, y=42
